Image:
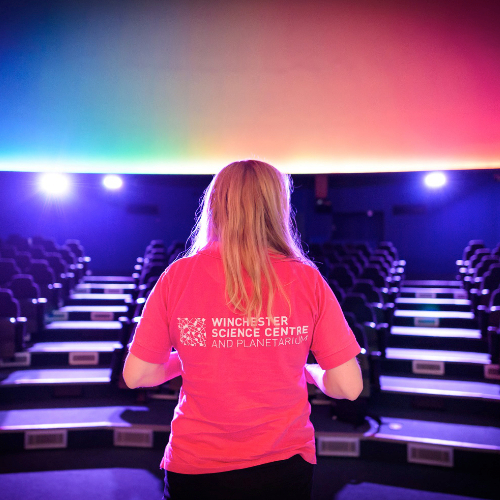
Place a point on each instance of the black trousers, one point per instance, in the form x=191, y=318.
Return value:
x=283, y=480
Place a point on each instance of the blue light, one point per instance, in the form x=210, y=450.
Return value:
x=435, y=180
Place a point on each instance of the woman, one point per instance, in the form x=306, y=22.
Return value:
x=243, y=309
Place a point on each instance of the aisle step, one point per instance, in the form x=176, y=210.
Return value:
x=104, y=299
x=432, y=304
x=456, y=364
x=66, y=376
x=45, y=354
x=60, y=331
x=89, y=313
x=453, y=339
x=105, y=288
x=445, y=319
x=431, y=293
x=109, y=279
x=439, y=433
x=432, y=283
x=460, y=389
x=82, y=418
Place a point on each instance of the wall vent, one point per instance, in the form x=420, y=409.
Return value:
x=338, y=446
x=84, y=358
x=427, y=367
x=45, y=439
x=492, y=372
x=427, y=322
x=138, y=438
x=101, y=316
x=430, y=454
x=20, y=359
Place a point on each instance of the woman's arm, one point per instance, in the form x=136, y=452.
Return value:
x=139, y=373
x=342, y=382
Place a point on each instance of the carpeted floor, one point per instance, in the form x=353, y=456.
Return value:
x=91, y=484
x=137, y=484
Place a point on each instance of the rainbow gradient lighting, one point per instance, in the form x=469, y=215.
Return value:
x=185, y=87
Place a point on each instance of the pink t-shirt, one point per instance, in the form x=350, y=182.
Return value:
x=244, y=399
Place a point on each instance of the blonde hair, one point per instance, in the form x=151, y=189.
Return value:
x=246, y=208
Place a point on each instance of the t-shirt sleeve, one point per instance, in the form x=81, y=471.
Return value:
x=333, y=342
x=151, y=340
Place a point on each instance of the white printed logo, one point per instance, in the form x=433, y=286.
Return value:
x=193, y=331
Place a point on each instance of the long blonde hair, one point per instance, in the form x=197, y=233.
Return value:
x=246, y=208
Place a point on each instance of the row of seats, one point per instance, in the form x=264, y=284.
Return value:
x=345, y=263
x=55, y=269
x=365, y=282
x=148, y=268
x=479, y=269
x=36, y=276
x=366, y=305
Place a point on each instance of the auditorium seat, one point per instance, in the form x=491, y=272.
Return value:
x=342, y=275
x=155, y=245
x=31, y=304
x=8, y=268
x=369, y=290
x=358, y=304
x=353, y=263
x=377, y=297
x=23, y=260
x=493, y=308
x=48, y=244
x=328, y=251
x=12, y=325
x=155, y=259
x=174, y=256
x=70, y=258
x=148, y=272
x=480, y=295
x=38, y=252
x=337, y=291
x=76, y=247
x=358, y=330
x=325, y=266
x=175, y=247
x=44, y=277
x=471, y=264
x=496, y=250
x=21, y=243
x=373, y=273
x=8, y=252
x=474, y=279
x=143, y=292
x=381, y=264
x=62, y=273
x=469, y=251
x=315, y=252
x=363, y=248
